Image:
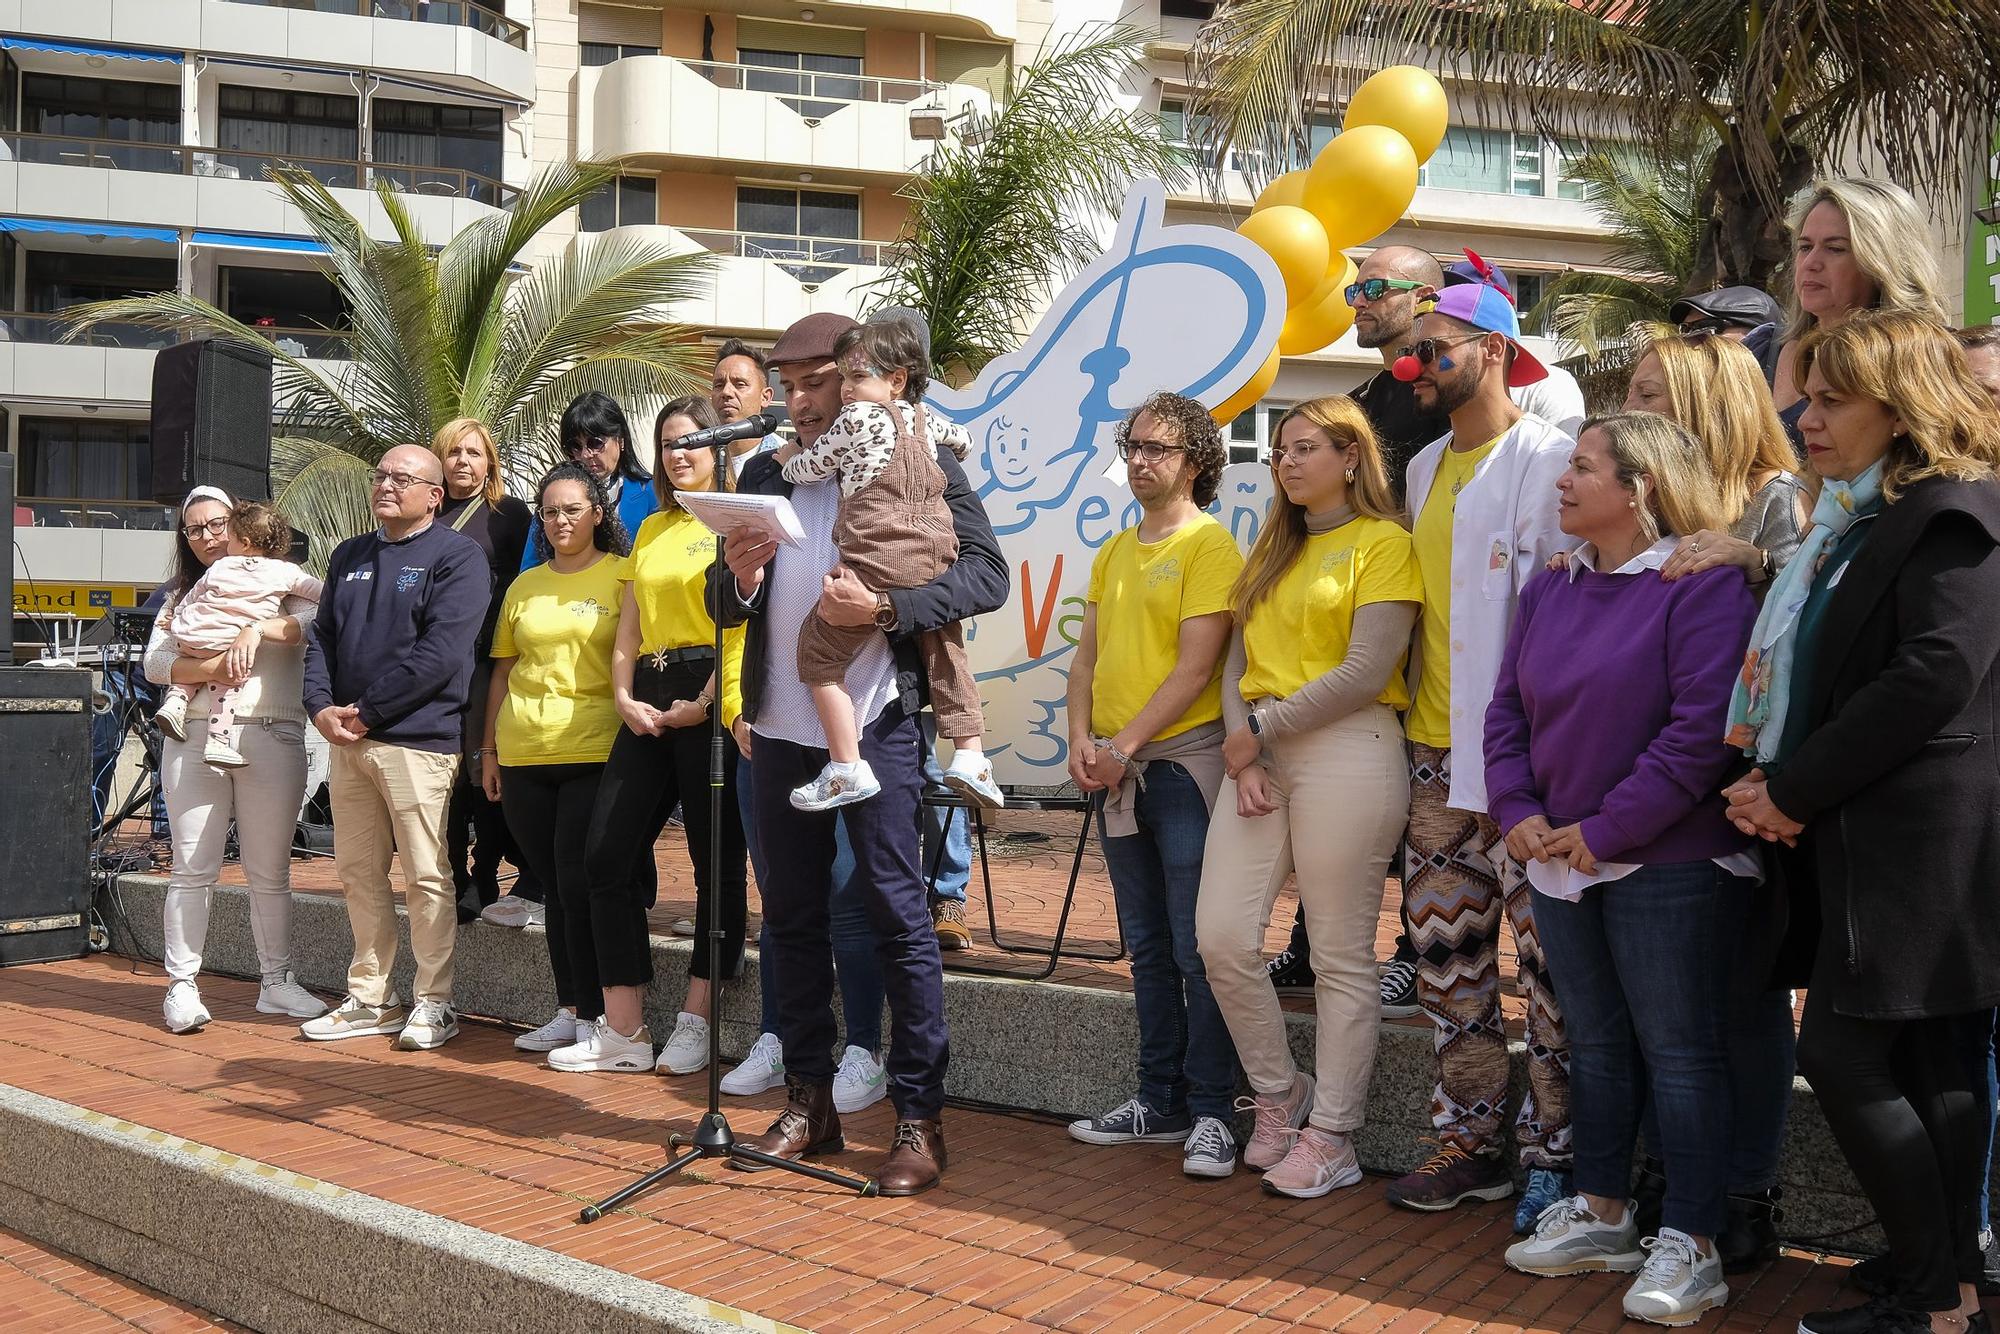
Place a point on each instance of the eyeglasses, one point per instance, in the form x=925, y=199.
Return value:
x=1425, y=350
x=595, y=444
x=1377, y=288
x=1151, y=451
x=555, y=513
x=1301, y=451
x=400, y=481
x=213, y=528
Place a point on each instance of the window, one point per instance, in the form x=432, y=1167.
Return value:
x=147, y=113
x=461, y=143
x=85, y=459
x=1250, y=434
x=60, y=279
x=627, y=201
x=284, y=298
x=1568, y=154
x=800, y=225
x=1187, y=9
x=260, y=125
x=805, y=60
x=1499, y=162
x=608, y=32
x=1180, y=126
x=1529, y=289
x=604, y=53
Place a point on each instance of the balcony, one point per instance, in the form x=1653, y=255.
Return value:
x=451, y=13
x=850, y=128
x=989, y=19
x=763, y=283
x=64, y=512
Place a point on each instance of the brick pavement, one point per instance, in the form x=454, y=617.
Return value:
x=44, y=1291
x=1030, y=1228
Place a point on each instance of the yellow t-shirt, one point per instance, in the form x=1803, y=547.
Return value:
x=1430, y=713
x=1302, y=628
x=669, y=574
x=559, y=629
x=1142, y=592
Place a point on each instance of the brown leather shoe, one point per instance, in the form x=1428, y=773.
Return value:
x=916, y=1159
x=806, y=1128
x=948, y=916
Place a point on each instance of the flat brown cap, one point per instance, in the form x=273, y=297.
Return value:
x=811, y=339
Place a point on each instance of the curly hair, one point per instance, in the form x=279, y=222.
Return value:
x=261, y=528
x=1195, y=431
x=609, y=536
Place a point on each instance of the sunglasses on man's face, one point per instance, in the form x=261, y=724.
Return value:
x=1374, y=289
x=1426, y=350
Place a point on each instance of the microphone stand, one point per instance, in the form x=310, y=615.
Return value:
x=712, y=1137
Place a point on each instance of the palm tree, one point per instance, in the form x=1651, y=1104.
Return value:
x=1788, y=87
x=1001, y=215
x=450, y=333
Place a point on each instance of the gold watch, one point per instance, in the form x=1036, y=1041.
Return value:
x=885, y=612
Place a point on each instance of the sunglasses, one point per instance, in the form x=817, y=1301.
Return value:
x=1426, y=350
x=1376, y=288
x=596, y=444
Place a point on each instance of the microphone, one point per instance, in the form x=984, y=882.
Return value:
x=760, y=424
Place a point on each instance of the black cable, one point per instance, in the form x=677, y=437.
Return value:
x=22, y=556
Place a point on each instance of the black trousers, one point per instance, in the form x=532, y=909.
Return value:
x=645, y=778
x=549, y=810
x=1899, y=1098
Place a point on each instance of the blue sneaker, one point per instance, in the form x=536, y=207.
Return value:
x=1545, y=1187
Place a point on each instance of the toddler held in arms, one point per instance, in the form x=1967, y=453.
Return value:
x=894, y=531
x=238, y=593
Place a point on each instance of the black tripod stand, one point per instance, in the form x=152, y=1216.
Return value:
x=713, y=1137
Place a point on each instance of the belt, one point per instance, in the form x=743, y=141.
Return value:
x=664, y=658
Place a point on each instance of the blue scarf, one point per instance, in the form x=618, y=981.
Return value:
x=1763, y=693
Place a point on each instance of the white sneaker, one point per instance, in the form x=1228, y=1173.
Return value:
x=683, y=926
x=600, y=1047
x=183, y=1009
x=972, y=775
x=221, y=750
x=837, y=785
x=859, y=1082
x=286, y=996
x=687, y=1050
x=1570, y=1239
x=509, y=910
x=557, y=1032
x=762, y=1070
x=1679, y=1284
x=352, y=1019
x=432, y=1024
x=172, y=717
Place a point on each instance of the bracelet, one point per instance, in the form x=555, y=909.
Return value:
x=1124, y=760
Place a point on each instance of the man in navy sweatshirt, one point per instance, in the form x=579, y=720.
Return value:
x=388, y=663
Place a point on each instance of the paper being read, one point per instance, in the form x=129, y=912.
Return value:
x=727, y=512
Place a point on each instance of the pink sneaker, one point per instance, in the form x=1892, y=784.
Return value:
x=1278, y=1121
x=1320, y=1161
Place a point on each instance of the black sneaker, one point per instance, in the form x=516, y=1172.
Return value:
x=1749, y=1236
x=1291, y=973
x=1133, y=1122
x=1877, y=1315
x=1399, y=989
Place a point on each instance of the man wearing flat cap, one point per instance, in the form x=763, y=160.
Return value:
x=772, y=588
x=1746, y=314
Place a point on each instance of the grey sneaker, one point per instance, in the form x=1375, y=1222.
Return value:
x=762, y=1069
x=432, y=1024
x=1211, y=1149
x=352, y=1019
x=284, y=995
x=687, y=1049
x=1569, y=1239
x=1679, y=1285
x=1133, y=1122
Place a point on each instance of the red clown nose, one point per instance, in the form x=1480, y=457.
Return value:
x=1406, y=368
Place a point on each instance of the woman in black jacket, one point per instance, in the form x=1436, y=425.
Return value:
x=1868, y=700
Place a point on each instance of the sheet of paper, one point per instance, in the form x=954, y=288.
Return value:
x=727, y=512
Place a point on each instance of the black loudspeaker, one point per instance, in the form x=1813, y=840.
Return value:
x=44, y=814
x=7, y=564
x=211, y=420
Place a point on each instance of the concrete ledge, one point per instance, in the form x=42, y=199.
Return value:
x=1032, y=1045
x=287, y=1254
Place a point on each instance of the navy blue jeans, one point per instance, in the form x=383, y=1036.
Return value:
x=854, y=965
x=1645, y=965
x=797, y=898
x=1186, y=1059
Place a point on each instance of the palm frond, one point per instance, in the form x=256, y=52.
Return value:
x=323, y=490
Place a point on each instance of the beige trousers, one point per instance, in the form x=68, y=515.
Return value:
x=389, y=799
x=1342, y=793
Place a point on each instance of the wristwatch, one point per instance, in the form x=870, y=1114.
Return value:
x=1256, y=723
x=885, y=612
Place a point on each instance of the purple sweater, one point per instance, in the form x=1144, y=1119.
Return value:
x=1610, y=709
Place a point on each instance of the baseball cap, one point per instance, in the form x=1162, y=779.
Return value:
x=812, y=338
x=1473, y=269
x=1484, y=306
x=1747, y=307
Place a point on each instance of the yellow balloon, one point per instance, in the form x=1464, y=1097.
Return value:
x=1294, y=238
x=1338, y=275
x=1360, y=184
x=1247, y=397
x=1310, y=328
x=1287, y=189
x=1405, y=99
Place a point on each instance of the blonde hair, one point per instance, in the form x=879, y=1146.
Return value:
x=1913, y=367
x=1719, y=397
x=1666, y=470
x=1284, y=533
x=1889, y=239
x=456, y=429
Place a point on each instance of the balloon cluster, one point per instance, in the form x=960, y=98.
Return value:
x=1355, y=190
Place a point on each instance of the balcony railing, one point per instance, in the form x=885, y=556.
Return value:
x=69, y=512
x=813, y=89
x=19, y=326
x=812, y=260
x=116, y=154
x=323, y=344
x=456, y=13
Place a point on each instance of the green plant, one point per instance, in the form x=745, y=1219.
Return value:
x=451, y=332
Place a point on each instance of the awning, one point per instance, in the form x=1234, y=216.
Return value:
x=52, y=227
x=77, y=49
x=253, y=241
